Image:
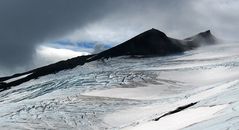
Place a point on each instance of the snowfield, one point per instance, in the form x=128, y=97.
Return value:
x=192, y=91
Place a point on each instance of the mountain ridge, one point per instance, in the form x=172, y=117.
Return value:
x=155, y=42
x=149, y=43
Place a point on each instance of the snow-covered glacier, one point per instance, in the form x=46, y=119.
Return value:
x=196, y=90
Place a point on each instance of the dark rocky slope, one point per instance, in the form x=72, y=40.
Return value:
x=155, y=43
x=150, y=43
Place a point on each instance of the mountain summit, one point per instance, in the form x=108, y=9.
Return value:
x=149, y=43
x=155, y=42
x=203, y=38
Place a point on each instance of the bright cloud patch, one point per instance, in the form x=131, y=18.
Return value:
x=104, y=32
x=46, y=55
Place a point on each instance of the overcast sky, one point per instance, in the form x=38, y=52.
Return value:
x=34, y=32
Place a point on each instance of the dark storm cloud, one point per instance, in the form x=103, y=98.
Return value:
x=26, y=23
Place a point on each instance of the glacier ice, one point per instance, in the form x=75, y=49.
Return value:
x=128, y=93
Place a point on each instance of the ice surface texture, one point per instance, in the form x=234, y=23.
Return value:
x=85, y=97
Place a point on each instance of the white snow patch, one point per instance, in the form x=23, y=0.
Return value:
x=181, y=119
x=203, y=77
x=140, y=114
x=208, y=92
x=17, y=78
x=151, y=92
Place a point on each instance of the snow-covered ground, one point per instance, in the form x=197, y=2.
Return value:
x=195, y=90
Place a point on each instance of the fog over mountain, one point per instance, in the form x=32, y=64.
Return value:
x=151, y=43
x=26, y=24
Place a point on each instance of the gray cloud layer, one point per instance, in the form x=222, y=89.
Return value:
x=25, y=24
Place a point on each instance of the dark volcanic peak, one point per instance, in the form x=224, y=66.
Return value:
x=203, y=38
x=154, y=31
x=149, y=43
x=206, y=33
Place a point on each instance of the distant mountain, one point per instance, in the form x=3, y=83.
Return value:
x=156, y=43
x=203, y=38
x=150, y=43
